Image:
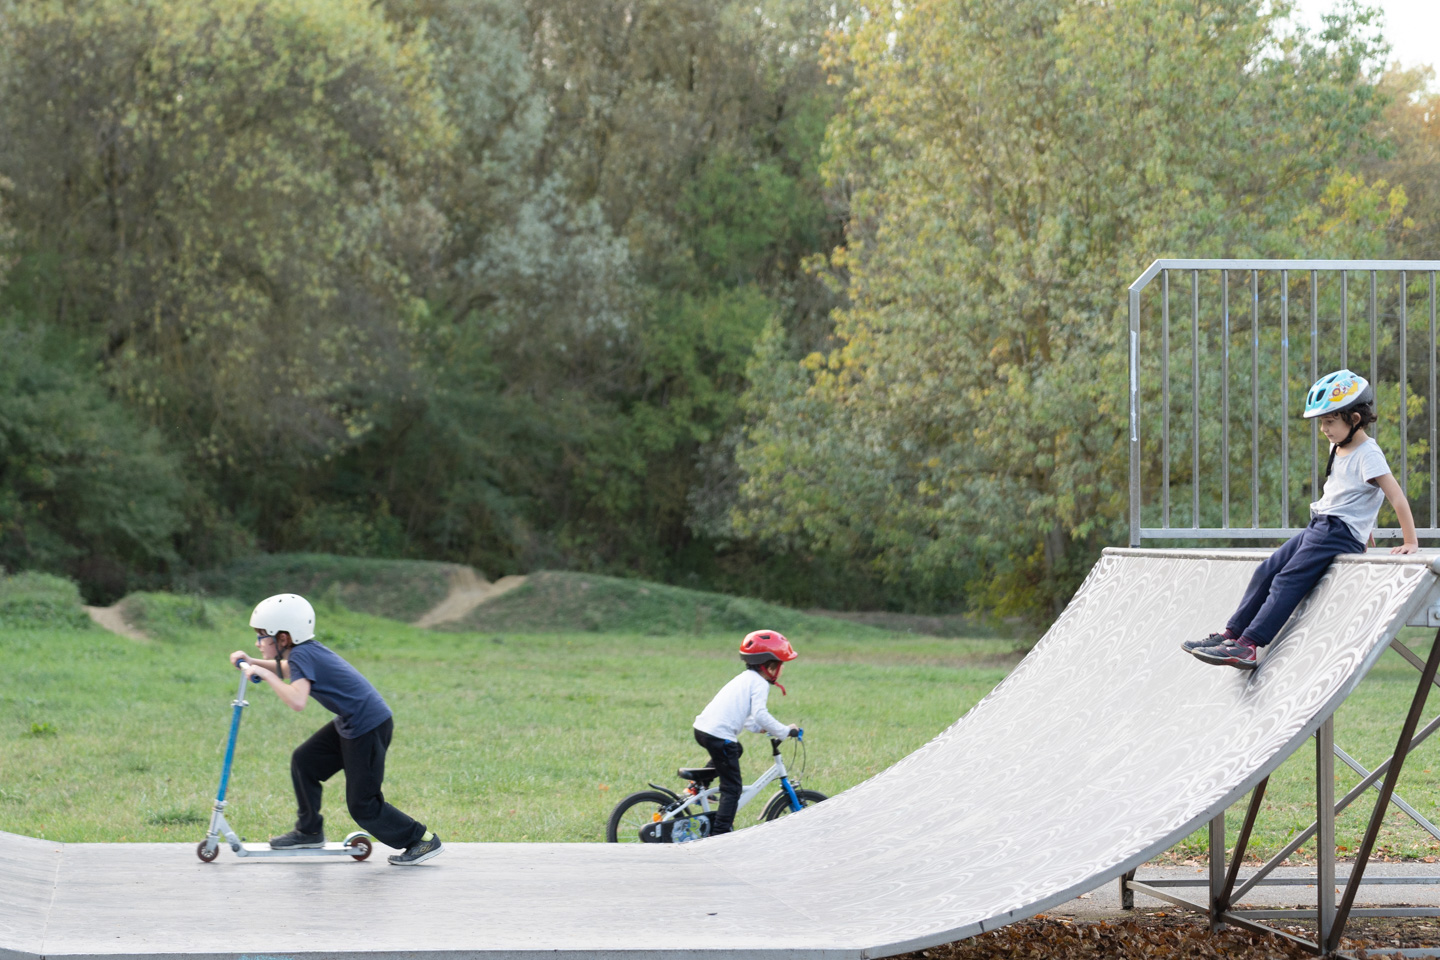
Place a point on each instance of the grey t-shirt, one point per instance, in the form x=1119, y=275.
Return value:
x=1348, y=493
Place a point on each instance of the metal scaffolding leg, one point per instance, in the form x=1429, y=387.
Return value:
x=1325, y=834
x=1377, y=816
x=1217, y=871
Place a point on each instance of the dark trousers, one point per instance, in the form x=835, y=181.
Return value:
x=363, y=760
x=725, y=758
x=1282, y=581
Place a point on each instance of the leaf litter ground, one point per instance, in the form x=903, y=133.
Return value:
x=1151, y=935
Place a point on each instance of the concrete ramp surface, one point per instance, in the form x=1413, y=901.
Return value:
x=1098, y=752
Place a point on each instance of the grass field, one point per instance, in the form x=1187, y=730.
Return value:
x=507, y=735
x=498, y=737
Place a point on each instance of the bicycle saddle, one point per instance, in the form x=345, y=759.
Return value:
x=699, y=774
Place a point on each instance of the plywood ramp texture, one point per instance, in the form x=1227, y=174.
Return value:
x=1104, y=747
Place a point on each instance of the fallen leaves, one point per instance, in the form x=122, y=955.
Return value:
x=1144, y=938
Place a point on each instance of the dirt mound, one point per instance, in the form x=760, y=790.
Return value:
x=467, y=591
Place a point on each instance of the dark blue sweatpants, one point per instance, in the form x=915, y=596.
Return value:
x=1282, y=581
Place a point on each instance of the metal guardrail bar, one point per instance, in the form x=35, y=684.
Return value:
x=1297, y=881
x=1396, y=366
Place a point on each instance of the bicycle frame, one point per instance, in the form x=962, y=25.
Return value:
x=747, y=793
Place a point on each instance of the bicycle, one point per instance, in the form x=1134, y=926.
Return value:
x=663, y=816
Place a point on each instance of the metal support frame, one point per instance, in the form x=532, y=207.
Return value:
x=1331, y=916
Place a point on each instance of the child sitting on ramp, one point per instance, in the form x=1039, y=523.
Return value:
x=355, y=741
x=1357, y=479
x=740, y=704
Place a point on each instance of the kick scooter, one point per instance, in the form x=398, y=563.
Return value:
x=357, y=845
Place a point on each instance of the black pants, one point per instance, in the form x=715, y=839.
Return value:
x=363, y=760
x=725, y=758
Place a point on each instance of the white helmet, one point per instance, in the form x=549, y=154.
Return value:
x=285, y=611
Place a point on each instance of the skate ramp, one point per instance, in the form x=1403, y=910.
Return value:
x=1096, y=753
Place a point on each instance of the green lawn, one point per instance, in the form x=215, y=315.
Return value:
x=498, y=737
x=510, y=735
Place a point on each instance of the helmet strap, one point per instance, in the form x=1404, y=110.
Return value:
x=771, y=672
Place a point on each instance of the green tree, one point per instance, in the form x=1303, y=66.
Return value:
x=86, y=489
x=1010, y=169
x=227, y=198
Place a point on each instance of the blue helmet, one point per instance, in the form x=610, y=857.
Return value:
x=1337, y=392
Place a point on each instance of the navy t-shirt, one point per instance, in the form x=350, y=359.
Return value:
x=340, y=688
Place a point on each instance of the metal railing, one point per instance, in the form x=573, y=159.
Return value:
x=1186, y=388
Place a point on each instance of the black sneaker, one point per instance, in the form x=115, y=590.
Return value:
x=418, y=852
x=1232, y=653
x=295, y=840
x=1215, y=639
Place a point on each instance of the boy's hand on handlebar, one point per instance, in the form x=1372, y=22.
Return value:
x=237, y=656
x=794, y=731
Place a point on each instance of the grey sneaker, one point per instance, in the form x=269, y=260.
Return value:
x=1232, y=653
x=1215, y=639
x=295, y=840
x=418, y=852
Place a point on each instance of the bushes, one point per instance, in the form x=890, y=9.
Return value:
x=86, y=489
x=36, y=601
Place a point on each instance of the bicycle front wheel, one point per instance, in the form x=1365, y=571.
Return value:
x=779, y=804
x=634, y=812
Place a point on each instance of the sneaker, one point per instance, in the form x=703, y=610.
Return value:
x=1232, y=653
x=418, y=852
x=295, y=840
x=1215, y=639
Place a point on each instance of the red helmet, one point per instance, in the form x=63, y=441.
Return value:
x=763, y=646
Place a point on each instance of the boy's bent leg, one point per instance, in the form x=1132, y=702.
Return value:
x=1326, y=541
x=364, y=758
x=313, y=762
x=725, y=758
x=1261, y=580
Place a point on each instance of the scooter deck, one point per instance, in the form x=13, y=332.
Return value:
x=329, y=850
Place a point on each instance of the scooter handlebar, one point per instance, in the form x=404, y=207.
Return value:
x=239, y=664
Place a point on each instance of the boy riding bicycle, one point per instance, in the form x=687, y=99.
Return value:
x=740, y=704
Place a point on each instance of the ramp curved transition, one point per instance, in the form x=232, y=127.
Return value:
x=1095, y=754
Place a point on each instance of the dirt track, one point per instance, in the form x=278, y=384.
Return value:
x=112, y=618
x=467, y=591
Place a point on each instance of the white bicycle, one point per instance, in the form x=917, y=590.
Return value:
x=661, y=815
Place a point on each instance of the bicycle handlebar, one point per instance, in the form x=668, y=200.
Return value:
x=798, y=733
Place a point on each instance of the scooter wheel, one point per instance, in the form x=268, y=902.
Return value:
x=362, y=847
x=207, y=855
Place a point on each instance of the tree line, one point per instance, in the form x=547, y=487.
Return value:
x=809, y=300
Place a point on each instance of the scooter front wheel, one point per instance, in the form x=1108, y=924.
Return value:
x=205, y=852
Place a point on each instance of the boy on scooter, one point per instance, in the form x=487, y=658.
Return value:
x=740, y=704
x=355, y=741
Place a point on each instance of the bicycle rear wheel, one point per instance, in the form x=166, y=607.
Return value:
x=634, y=812
x=779, y=804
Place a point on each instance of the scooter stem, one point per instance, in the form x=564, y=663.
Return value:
x=239, y=704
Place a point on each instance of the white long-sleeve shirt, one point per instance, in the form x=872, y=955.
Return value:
x=740, y=704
